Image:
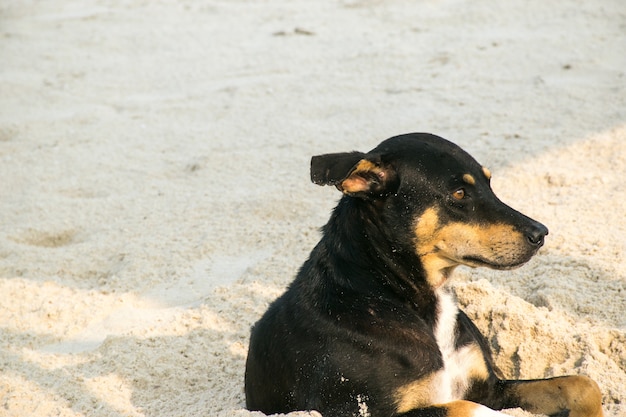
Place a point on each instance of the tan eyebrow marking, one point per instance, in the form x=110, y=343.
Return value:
x=487, y=173
x=468, y=178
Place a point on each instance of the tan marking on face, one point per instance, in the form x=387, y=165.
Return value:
x=434, y=265
x=468, y=178
x=437, y=268
x=487, y=173
x=443, y=247
x=355, y=182
x=497, y=244
x=427, y=224
x=426, y=227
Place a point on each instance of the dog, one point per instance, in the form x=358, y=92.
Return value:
x=368, y=326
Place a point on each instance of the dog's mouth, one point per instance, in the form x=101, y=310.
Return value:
x=477, y=261
x=499, y=246
x=498, y=260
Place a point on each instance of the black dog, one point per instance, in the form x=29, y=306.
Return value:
x=368, y=327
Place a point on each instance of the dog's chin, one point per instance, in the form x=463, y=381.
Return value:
x=477, y=261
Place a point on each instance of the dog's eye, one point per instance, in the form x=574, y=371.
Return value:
x=459, y=194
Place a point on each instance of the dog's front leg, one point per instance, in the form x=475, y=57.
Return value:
x=571, y=396
x=459, y=408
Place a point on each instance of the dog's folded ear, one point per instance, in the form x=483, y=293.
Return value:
x=332, y=168
x=353, y=173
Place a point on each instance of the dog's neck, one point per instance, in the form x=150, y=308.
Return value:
x=355, y=239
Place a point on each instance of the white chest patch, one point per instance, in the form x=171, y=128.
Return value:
x=460, y=365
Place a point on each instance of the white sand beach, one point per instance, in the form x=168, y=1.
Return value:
x=155, y=193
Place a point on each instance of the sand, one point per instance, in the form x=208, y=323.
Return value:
x=155, y=194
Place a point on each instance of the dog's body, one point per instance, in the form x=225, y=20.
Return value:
x=368, y=327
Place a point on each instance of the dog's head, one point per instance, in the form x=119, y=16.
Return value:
x=435, y=200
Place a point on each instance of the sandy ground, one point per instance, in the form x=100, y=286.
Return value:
x=154, y=191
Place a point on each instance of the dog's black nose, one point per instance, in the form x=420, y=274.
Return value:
x=536, y=233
